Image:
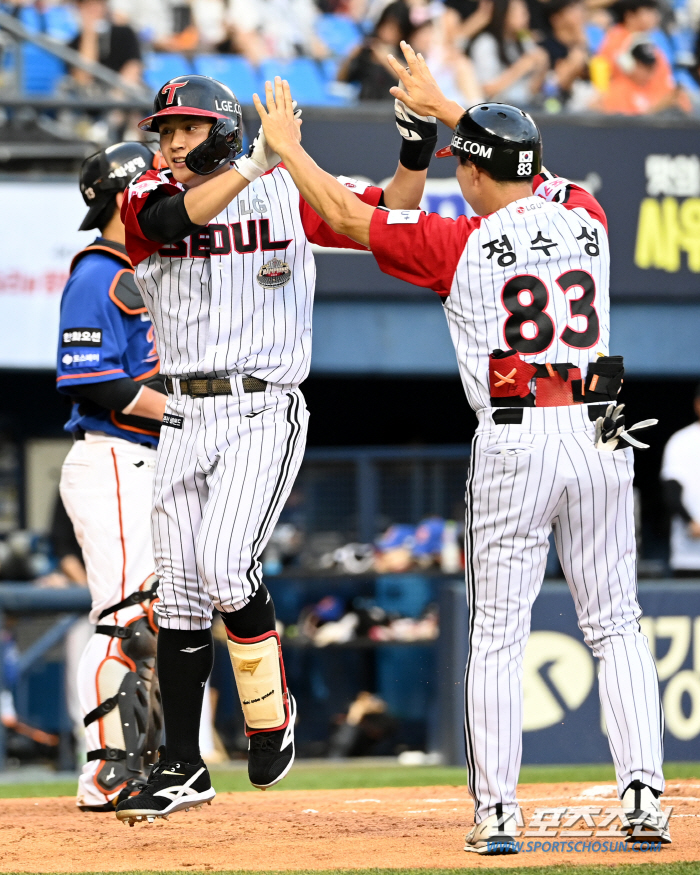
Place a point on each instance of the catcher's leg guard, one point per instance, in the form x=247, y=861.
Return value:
x=129, y=711
x=262, y=686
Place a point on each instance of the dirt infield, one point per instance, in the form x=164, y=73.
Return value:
x=420, y=827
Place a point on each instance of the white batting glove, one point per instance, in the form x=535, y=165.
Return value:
x=260, y=158
x=610, y=432
x=419, y=133
x=413, y=126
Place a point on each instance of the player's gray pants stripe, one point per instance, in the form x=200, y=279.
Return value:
x=221, y=483
x=556, y=479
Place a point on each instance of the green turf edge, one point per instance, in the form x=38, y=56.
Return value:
x=644, y=869
x=346, y=776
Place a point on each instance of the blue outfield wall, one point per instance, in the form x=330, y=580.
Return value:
x=563, y=722
x=411, y=338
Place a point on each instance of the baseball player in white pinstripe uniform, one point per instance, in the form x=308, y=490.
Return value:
x=524, y=286
x=227, y=273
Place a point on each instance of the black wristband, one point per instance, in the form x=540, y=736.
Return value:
x=416, y=154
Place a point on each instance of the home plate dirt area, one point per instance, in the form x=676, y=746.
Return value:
x=420, y=827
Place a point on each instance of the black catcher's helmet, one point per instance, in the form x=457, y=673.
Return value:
x=107, y=172
x=501, y=139
x=202, y=95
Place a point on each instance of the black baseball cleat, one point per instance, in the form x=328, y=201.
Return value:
x=105, y=807
x=171, y=786
x=271, y=754
x=133, y=787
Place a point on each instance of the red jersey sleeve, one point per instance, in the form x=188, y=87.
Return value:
x=567, y=193
x=419, y=248
x=137, y=245
x=319, y=232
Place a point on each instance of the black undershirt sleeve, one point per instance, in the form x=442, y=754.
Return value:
x=164, y=218
x=112, y=394
x=673, y=497
x=62, y=535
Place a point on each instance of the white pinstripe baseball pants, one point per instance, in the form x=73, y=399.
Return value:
x=220, y=485
x=525, y=480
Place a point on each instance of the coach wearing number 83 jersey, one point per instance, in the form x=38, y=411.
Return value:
x=524, y=286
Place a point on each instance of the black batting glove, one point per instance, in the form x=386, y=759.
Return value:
x=419, y=134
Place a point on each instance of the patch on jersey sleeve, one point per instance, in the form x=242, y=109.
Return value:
x=80, y=360
x=81, y=337
x=356, y=186
x=142, y=188
x=551, y=188
x=403, y=217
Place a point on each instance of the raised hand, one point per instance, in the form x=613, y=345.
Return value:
x=419, y=90
x=281, y=127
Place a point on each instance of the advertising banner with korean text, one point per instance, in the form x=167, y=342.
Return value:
x=563, y=720
x=646, y=176
x=39, y=238
x=562, y=716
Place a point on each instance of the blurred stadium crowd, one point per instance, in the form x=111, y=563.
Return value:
x=630, y=57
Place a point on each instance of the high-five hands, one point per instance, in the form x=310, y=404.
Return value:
x=281, y=127
x=420, y=92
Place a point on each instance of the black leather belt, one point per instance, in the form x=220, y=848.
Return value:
x=514, y=415
x=203, y=388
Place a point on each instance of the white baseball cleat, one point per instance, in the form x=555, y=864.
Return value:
x=647, y=823
x=494, y=835
x=172, y=786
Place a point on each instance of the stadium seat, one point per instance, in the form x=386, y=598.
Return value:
x=62, y=23
x=686, y=80
x=340, y=33
x=663, y=42
x=683, y=39
x=161, y=67
x=234, y=71
x=306, y=79
x=594, y=37
x=41, y=71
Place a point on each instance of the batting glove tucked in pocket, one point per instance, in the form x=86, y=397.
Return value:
x=610, y=432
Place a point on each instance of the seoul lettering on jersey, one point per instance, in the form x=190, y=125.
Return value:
x=246, y=281
x=219, y=239
x=233, y=299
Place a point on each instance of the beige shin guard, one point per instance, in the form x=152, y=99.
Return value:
x=259, y=673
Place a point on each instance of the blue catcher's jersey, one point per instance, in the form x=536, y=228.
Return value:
x=105, y=334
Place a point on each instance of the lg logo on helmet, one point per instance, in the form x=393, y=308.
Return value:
x=227, y=106
x=525, y=166
x=472, y=148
